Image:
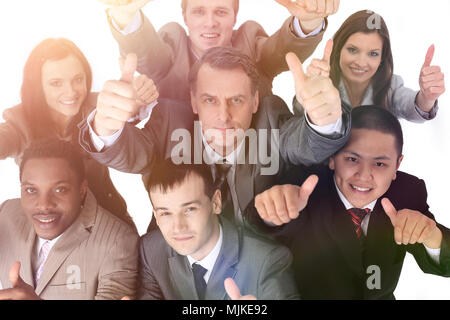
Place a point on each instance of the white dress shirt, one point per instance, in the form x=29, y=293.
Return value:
x=433, y=253
x=209, y=261
x=39, y=243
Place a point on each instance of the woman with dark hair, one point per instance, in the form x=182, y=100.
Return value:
x=55, y=97
x=361, y=67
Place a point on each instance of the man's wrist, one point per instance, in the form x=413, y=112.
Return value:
x=435, y=241
x=310, y=25
x=122, y=19
x=424, y=104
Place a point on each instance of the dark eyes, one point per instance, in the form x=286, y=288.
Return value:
x=353, y=50
x=61, y=190
x=56, y=83
x=30, y=190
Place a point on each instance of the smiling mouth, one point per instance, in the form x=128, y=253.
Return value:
x=358, y=70
x=210, y=35
x=69, y=102
x=361, y=189
x=46, y=221
x=182, y=238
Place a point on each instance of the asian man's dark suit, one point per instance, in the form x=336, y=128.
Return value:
x=329, y=261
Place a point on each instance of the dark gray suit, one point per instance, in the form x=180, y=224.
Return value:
x=136, y=150
x=259, y=267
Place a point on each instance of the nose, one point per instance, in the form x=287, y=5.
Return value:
x=224, y=112
x=179, y=223
x=70, y=90
x=210, y=20
x=365, y=172
x=45, y=202
x=361, y=60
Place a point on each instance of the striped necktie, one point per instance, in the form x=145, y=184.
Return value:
x=358, y=216
x=43, y=254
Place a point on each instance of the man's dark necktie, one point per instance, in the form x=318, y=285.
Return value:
x=222, y=184
x=358, y=216
x=200, y=283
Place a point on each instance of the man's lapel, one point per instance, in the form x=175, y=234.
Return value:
x=244, y=184
x=225, y=266
x=71, y=238
x=342, y=230
x=182, y=277
x=380, y=244
x=27, y=241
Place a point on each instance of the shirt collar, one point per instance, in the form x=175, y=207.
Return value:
x=214, y=157
x=209, y=261
x=347, y=203
x=42, y=241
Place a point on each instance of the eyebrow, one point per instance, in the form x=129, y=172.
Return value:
x=383, y=157
x=206, y=95
x=377, y=49
x=75, y=76
x=183, y=205
x=215, y=8
x=32, y=184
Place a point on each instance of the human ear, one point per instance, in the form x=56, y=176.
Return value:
x=217, y=202
x=399, y=161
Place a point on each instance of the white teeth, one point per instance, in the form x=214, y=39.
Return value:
x=210, y=35
x=68, y=102
x=358, y=70
x=360, y=189
x=47, y=220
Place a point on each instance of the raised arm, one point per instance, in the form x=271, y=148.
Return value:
x=134, y=33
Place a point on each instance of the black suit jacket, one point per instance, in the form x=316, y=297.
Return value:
x=328, y=260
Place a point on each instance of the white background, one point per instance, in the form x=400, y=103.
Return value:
x=414, y=25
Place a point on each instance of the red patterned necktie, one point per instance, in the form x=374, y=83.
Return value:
x=357, y=216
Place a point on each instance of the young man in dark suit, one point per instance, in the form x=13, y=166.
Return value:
x=350, y=240
x=197, y=255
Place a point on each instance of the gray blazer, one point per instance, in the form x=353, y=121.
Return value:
x=136, y=150
x=258, y=267
x=402, y=101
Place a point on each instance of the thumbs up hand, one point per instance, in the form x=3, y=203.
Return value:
x=233, y=291
x=20, y=290
x=321, y=67
x=310, y=13
x=117, y=101
x=431, y=81
x=412, y=226
x=281, y=204
x=317, y=94
x=123, y=11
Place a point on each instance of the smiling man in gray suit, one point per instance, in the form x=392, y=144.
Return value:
x=56, y=242
x=195, y=251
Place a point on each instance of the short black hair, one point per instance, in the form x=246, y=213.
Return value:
x=378, y=119
x=225, y=58
x=55, y=148
x=166, y=175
